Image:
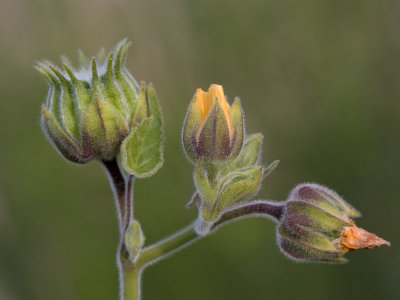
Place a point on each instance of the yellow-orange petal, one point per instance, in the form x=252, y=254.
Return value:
x=206, y=102
x=354, y=238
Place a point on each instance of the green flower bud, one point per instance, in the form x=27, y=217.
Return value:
x=90, y=111
x=213, y=131
x=134, y=240
x=316, y=226
x=235, y=183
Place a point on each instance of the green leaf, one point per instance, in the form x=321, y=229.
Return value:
x=141, y=151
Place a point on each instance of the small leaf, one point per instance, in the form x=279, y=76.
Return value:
x=141, y=151
x=134, y=240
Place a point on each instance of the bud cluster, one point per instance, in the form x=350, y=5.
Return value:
x=228, y=169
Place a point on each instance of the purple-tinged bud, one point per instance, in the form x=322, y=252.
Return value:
x=316, y=226
x=213, y=130
x=90, y=111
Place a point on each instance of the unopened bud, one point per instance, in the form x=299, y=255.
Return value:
x=213, y=130
x=134, y=240
x=233, y=184
x=316, y=226
x=91, y=110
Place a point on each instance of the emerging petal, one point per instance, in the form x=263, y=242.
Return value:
x=206, y=102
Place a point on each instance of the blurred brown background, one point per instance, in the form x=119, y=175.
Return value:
x=320, y=79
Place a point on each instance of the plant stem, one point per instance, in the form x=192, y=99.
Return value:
x=273, y=210
x=118, y=186
x=123, y=193
x=130, y=282
x=168, y=246
x=130, y=272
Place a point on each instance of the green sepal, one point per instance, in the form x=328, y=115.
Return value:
x=307, y=254
x=134, y=240
x=82, y=97
x=207, y=190
x=268, y=169
x=342, y=205
x=53, y=102
x=214, y=139
x=111, y=90
x=313, y=216
x=190, y=129
x=237, y=121
x=69, y=109
x=307, y=237
x=248, y=156
x=125, y=83
x=103, y=129
x=222, y=142
x=65, y=144
x=237, y=187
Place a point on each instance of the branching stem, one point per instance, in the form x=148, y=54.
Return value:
x=130, y=272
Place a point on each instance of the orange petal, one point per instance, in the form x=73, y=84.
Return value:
x=206, y=102
x=354, y=238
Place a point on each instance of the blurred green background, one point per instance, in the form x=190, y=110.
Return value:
x=320, y=79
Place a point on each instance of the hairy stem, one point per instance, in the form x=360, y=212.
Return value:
x=129, y=200
x=166, y=247
x=129, y=271
x=118, y=186
x=274, y=210
x=123, y=194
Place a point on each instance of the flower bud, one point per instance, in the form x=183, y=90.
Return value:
x=134, y=240
x=234, y=184
x=316, y=226
x=213, y=130
x=90, y=111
